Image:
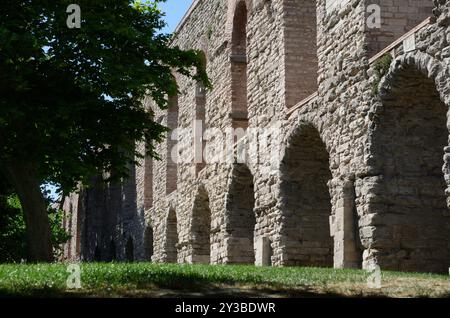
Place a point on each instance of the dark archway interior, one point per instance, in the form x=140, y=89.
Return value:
x=306, y=201
x=171, y=237
x=241, y=217
x=129, y=250
x=97, y=254
x=201, y=229
x=148, y=241
x=112, y=251
x=408, y=143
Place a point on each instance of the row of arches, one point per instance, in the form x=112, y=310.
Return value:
x=411, y=221
x=301, y=67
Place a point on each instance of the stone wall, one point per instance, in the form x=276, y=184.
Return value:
x=342, y=168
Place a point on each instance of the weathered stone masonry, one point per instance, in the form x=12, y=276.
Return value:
x=356, y=173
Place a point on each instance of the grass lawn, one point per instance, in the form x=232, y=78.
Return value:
x=152, y=280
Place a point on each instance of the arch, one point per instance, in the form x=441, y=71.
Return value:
x=200, y=117
x=240, y=216
x=172, y=151
x=172, y=237
x=305, y=200
x=423, y=63
x=148, y=243
x=407, y=146
x=201, y=228
x=239, y=60
x=129, y=250
x=300, y=46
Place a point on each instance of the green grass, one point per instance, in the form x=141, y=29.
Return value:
x=151, y=280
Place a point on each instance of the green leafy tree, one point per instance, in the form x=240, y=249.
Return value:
x=13, y=246
x=70, y=99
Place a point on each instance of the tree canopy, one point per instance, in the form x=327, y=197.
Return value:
x=71, y=98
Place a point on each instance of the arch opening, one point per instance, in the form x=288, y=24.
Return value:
x=200, y=124
x=408, y=142
x=112, y=251
x=129, y=250
x=148, y=180
x=306, y=201
x=241, y=219
x=171, y=237
x=201, y=229
x=172, y=151
x=239, y=60
x=148, y=241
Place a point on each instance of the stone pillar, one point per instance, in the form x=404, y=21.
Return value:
x=343, y=228
x=263, y=252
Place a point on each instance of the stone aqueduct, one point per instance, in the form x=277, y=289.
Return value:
x=362, y=175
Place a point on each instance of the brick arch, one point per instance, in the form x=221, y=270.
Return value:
x=240, y=218
x=200, y=117
x=305, y=199
x=408, y=138
x=201, y=227
x=232, y=5
x=238, y=64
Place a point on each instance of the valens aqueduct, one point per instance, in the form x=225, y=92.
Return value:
x=346, y=159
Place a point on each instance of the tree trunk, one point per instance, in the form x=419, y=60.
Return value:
x=23, y=178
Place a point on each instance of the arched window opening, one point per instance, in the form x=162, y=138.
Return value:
x=129, y=250
x=148, y=241
x=172, y=151
x=239, y=67
x=200, y=122
x=148, y=180
x=201, y=229
x=171, y=237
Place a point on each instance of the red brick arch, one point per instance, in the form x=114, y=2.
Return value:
x=232, y=6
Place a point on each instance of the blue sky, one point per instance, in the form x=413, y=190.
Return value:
x=175, y=10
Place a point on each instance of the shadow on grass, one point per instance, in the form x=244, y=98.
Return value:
x=177, y=289
x=124, y=281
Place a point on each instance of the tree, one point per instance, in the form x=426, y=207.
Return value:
x=13, y=245
x=70, y=98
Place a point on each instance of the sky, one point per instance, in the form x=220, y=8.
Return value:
x=175, y=10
